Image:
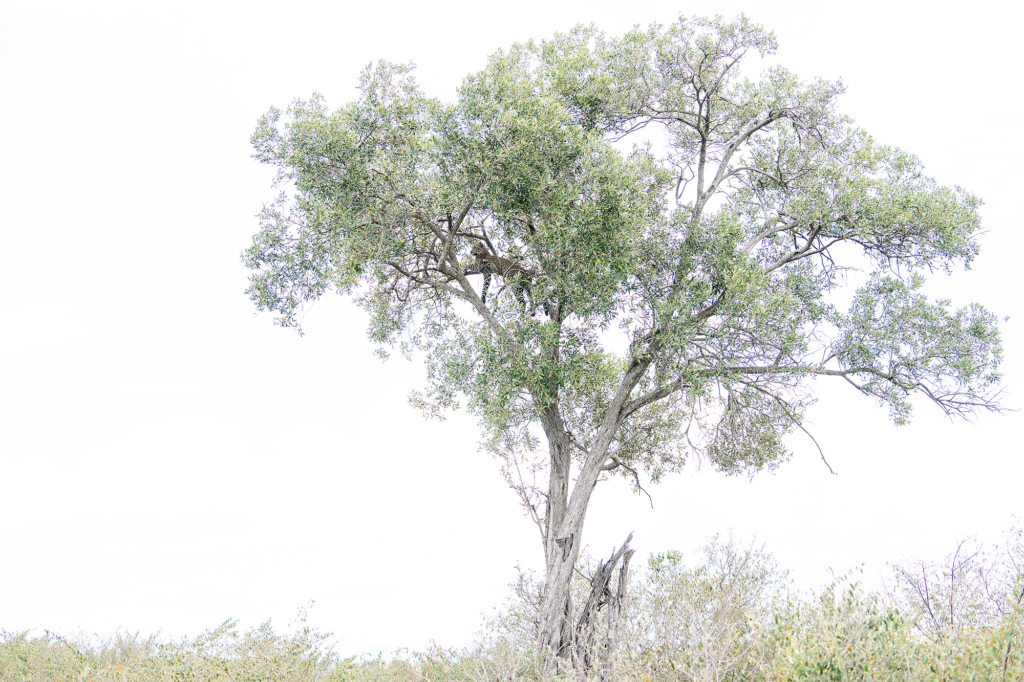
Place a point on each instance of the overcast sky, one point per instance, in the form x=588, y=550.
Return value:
x=169, y=459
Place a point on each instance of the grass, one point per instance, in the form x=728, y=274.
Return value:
x=729, y=616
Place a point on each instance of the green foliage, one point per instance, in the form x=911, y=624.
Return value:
x=906, y=343
x=728, y=616
x=714, y=261
x=841, y=634
x=259, y=655
x=706, y=621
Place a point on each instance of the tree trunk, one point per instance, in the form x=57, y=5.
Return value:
x=576, y=646
x=561, y=545
x=565, y=517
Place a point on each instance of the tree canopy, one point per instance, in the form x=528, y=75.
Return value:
x=682, y=277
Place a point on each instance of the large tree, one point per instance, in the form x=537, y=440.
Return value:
x=659, y=300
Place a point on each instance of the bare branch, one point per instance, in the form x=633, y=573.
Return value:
x=616, y=463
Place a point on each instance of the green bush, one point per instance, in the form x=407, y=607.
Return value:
x=728, y=617
x=843, y=633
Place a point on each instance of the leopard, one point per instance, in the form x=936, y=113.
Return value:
x=489, y=264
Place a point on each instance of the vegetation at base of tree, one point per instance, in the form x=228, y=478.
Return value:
x=729, y=616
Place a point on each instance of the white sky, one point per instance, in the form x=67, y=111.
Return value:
x=168, y=459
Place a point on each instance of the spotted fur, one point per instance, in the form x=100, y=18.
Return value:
x=489, y=264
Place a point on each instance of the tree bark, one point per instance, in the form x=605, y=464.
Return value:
x=614, y=611
x=561, y=543
x=565, y=517
x=599, y=596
